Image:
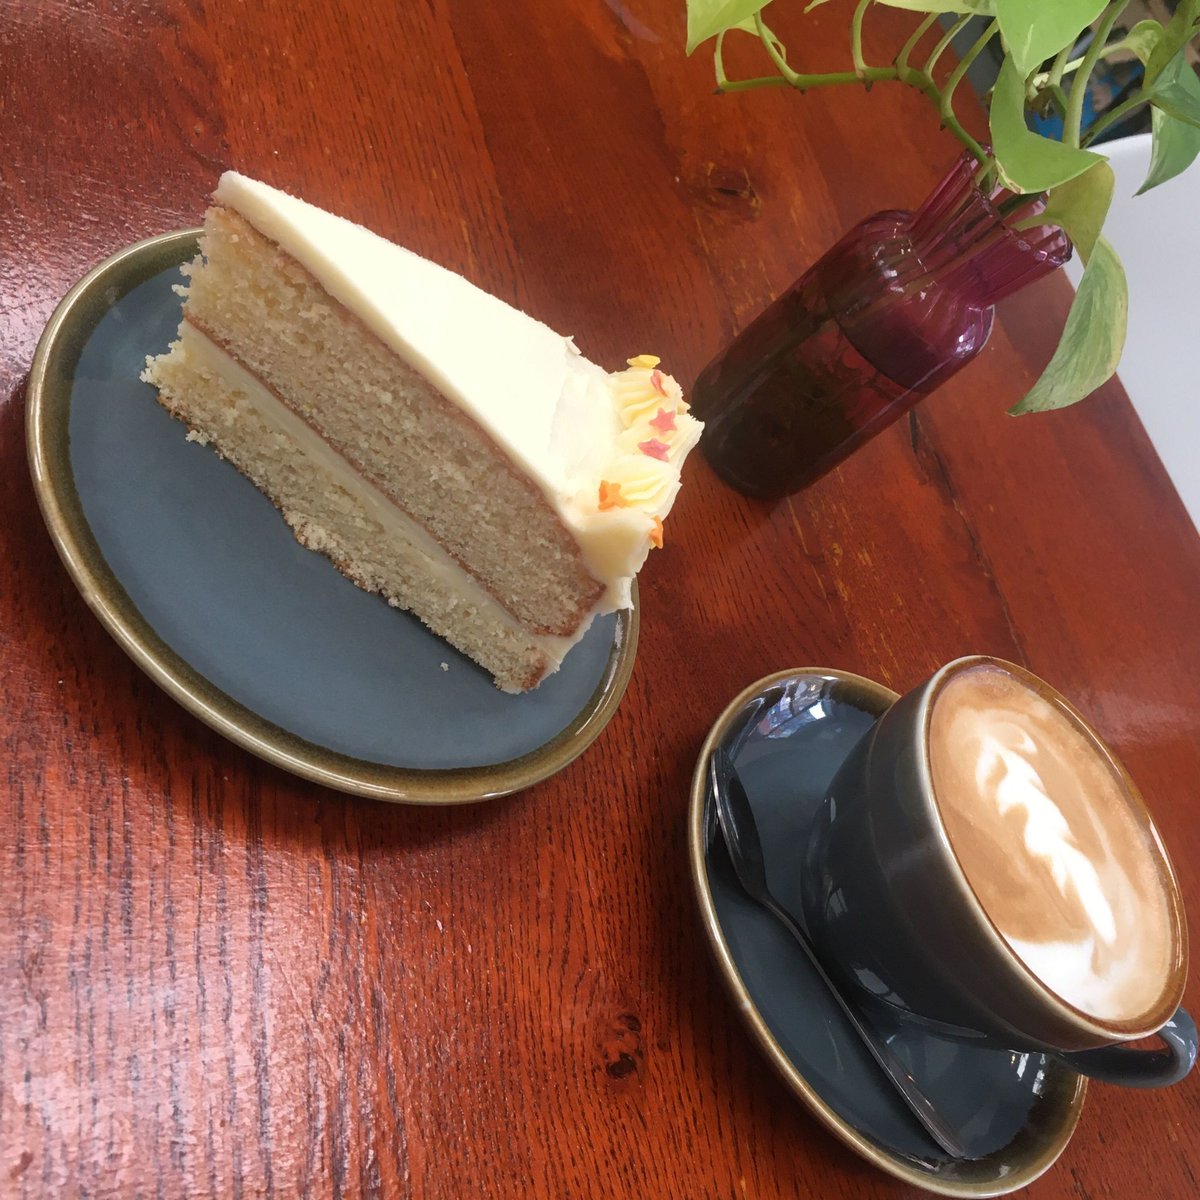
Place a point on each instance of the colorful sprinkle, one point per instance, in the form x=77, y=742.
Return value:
x=656, y=534
x=664, y=422
x=656, y=379
x=655, y=449
x=610, y=496
x=644, y=360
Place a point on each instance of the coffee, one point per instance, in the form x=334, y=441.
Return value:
x=1058, y=852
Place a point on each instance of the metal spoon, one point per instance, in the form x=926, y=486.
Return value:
x=740, y=833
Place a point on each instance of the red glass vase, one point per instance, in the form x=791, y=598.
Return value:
x=899, y=305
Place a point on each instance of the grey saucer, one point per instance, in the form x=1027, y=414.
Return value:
x=787, y=734
x=198, y=578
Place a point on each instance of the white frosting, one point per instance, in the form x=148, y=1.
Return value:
x=556, y=414
x=396, y=524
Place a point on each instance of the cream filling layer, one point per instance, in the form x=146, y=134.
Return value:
x=396, y=523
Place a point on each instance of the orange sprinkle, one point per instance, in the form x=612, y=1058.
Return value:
x=656, y=534
x=610, y=496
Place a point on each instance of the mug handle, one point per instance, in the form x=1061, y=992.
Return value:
x=1143, y=1068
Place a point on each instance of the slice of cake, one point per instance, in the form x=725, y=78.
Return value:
x=441, y=447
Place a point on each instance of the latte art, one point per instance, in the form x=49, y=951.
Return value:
x=1052, y=844
x=1007, y=776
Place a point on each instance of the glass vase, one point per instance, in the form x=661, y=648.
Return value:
x=900, y=304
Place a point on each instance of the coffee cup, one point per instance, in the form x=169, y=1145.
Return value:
x=984, y=865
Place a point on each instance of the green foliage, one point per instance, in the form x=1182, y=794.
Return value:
x=1178, y=32
x=1177, y=91
x=752, y=25
x=985, y=8
x=1037, y=73
x=1092, y=340
x=1176, y=146
x=1142, y=39
x=1026, y=161
x=1079, y=206
x=1094, y=336
x=708, y=18
x=1035, y=30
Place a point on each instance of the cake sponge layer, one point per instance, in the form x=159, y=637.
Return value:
x=389, y=423
x=330, y=511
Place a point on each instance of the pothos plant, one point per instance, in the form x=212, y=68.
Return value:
x=1038, y=73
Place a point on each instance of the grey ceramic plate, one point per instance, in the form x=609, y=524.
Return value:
x=788, y=733
x=198, y=578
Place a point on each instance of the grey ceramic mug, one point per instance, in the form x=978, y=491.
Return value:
x=890, y=910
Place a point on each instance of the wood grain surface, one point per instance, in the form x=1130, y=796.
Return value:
x=217, y=980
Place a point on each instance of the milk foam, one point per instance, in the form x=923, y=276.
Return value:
x=1008, y=778
x=1051, y=843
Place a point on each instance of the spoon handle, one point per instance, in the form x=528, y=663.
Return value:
x=729, y=795
x=910, y=1092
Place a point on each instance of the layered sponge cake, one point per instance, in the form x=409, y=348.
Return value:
x=441, y=447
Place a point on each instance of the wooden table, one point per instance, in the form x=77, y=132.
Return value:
x=218, y=980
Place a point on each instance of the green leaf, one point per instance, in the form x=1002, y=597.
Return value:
x=747, y=25
x=1177, y=90
x=1092, y=340
x=1177, y=33
x=1176, y=145
x=981, y=8
x=1028, y=162
x=1035, y=30
x=1079, y=206
x=1142, y=39
x=707, y=18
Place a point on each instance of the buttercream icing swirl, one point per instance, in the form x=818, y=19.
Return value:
x=657, y=433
